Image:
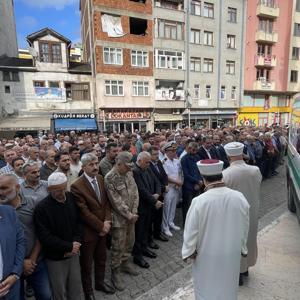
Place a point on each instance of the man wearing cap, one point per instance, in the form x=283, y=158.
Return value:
x=173, y=170
x=58, y=228
x=247, y=180
x=123, y=195
x=215, y=235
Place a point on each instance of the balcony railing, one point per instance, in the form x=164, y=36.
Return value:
x=267, y=8
x=263, y=60
x=265, y=36
x=264, y=85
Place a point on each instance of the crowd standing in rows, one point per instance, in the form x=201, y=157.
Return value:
x=75, y=195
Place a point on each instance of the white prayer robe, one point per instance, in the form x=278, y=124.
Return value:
x=217, y=228
x=247, y=180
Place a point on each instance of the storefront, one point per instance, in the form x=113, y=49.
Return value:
x=167, y=121
x=118, y=120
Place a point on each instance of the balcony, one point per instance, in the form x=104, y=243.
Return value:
x=264, y=85
x=170, y=104
x=265, y=61
x=267, y=37
x=267, y=9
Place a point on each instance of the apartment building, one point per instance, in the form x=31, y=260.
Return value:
x=118, y=41
x=270, y=74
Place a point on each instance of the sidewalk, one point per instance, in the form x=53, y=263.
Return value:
x=277, y=272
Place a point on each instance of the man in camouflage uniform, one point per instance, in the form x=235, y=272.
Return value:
x=123, y=195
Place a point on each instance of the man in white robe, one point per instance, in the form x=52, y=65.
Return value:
x=247, y=180
x=215, y=235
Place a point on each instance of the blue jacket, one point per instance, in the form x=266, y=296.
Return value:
x=190, y=171
x=12, y=241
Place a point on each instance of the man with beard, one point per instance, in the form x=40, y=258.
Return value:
x=35, y=271
x=17, y=165
x=75, y=163
x=108, y=161
x=12, y=243
x=49, y=166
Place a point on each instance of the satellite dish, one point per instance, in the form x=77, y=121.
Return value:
x=33, y=52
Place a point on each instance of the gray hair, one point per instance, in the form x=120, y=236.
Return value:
x=143, y=155
x=12, y=177
x=29, y=165
x=124, y=157
x=88, y=157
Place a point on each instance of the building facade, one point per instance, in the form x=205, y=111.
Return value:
x=34, y=90
x=268, y=67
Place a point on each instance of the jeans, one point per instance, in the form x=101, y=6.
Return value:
x=39, y=281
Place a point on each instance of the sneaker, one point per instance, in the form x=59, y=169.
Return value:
x=174, y=227
x=168, y=233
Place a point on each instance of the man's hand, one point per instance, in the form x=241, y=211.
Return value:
x=179, y=182
x=76, y=248
x=156, y=196
x=158, y=204
x=6, y=284
x=134, y=218
x=106, y=228
x=29, y=266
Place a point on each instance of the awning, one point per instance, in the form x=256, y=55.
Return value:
x=18, y=124
x=167, y=118
x=75, y=124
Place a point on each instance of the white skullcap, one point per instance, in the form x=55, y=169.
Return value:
x=234, y=149
x=57, y=180
x=210, y=167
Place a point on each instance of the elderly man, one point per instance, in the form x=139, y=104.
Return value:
x=215, y=235
x=173, y=169
x=124, y=198
x=149, y=193
x=33, y=153
x=91, y=198
x=247, y=180
x=35, y=270
x=108, y=161
x=49, y=166
x=9, y=155
x=57, y=223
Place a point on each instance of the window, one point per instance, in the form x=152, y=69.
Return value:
x=53, y=84
x=233, y=93
x=77, y=91
x=170, y=30
x=113, y=56
x=138, y=26
x=208, y=91
x=262, y=119
x=223, y=92
x=196, y=8
x=231, y=41
x=230, y=67
x=50, y=52
x=266, y=25
x=295, y=53
x=232, y=15
x=195, y=64
x=169, y=59
x=296, y=29
x=263, y=75
x=208, y=10
x=195, y=36
x=140, y=88
x=294, y=76
x=264, y=49
x=7, y=89
x=208, y=65
x=208, y=38
x=6, y=76
x=39, y=83
x=197, y=91
x=15, y=76
x=114, y=88
x=298, y=5
x=139, y=58
x=10, y=76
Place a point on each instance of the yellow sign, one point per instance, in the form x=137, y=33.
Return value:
x=247, y=119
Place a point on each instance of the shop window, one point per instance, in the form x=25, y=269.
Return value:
x=7, y=89
x=262, y=119
x=138, y=26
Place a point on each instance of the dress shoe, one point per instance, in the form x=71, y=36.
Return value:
x=104, y=287
x=141, y=263
x=174, y=227
x=241, y=280
x=153, y=245
x=149, y=253
x=161, y=237
x=128, y=268
x=89, y=297
x=168, y=233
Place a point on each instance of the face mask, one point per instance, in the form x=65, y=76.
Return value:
x=11, y=196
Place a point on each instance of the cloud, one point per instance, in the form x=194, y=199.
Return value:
x=28, y=22
x=57, y=4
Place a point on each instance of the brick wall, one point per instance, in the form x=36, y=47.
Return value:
x=126, y=68
x=127, y=5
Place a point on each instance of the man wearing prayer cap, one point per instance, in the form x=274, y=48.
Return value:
x=59, y=230
x=247, y=180
x=215, y=235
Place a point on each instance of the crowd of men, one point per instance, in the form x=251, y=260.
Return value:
x=77, y=195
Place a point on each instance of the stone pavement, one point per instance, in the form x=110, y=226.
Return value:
x=169, y=262
x=276, y=274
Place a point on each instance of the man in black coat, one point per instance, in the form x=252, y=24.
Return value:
x=219, y=151
x=149, y=193
x=158, y=170
x=206, y=151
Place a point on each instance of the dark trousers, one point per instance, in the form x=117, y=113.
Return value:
x=187, y=197
x=155, y=223
x=93, y=251
x=141, y=233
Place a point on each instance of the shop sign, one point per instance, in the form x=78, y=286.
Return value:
x=73, y=116
x=126, y=115
x=247, y=120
